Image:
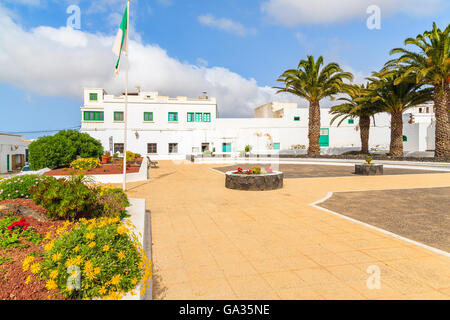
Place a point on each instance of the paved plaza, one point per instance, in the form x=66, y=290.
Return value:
x=210, y=242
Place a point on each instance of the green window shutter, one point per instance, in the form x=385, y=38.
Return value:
x=198, y=117
x=148, y=116
x=276, y=146
x=118, y=116
x=173, y=116
x=351, y=121
x=93, y=96
x=207, y=117
x=190, y=117
x=296, y=118
x=405, y=139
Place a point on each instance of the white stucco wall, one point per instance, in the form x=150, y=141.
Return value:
x=10, y=145
x=239, y=132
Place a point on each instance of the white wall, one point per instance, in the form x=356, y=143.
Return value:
x=10, y=145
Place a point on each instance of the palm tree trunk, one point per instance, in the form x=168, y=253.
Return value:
x=364, y=129
x=314, y=128
x=442, y=135
x=396, y=148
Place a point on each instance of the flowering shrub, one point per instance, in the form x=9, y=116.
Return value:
x=113, y=201
x=85, y=164
x=11, y=237
x=105, y=256
x=67, y=199
x=253, y=171
x=19, y=186
x=21, y=224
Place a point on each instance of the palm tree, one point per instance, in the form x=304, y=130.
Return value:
x=358, y=104
x=430, y=64
x=395, y=98
x=314, y=83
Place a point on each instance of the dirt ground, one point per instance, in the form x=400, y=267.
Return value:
x=422, y=215
x=292, y=171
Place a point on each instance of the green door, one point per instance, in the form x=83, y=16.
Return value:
x=226, y=147
x=7, y=162
x=324, y=140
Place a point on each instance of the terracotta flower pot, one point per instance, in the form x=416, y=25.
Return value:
x=106, y=159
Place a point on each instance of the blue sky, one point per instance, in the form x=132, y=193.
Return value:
x=233, y=49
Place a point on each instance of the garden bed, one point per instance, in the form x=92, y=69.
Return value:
x=104, y=169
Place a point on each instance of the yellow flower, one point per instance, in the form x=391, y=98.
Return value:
x=70, y=262
x=26, y=262
x=51, y=284
x=76, y=249
x=121, y=229
x=49, y=246
x=78, y=261
x=53, y=274
x=97, y=270
x=56, y=256
x=121, y=255
x=86, y=286
x=91, y=275
x=105, y=248
x=28, y=280
x=134, y=281
x=102, y=291
x=88, y=265
x=35, y=268
x=91, y=245
x=116, y=279
x=90, y=236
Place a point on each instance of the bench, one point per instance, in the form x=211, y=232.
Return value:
x=152, y=164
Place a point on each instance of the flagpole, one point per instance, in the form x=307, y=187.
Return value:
x=125, y=119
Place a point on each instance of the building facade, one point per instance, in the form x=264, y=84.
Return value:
x=13, y=152
x=171, y=128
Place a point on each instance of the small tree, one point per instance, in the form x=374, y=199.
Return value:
x=62, y=148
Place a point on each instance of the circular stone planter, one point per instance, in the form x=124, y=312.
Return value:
x=369, y=169
x=254, y=182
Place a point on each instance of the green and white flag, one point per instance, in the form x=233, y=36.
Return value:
x=121, y=42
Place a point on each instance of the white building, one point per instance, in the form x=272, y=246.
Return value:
x=13, y=152
x=171, y=128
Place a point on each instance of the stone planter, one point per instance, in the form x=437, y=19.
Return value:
x=254, y=182
x=369, y=169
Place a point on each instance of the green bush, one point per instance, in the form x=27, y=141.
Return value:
x=72, y=199
x=62, y=148
x=19, y=186
x=67, y=199
x=109, y=261
x=113, y=201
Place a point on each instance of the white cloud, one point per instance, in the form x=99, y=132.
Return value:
x=226, y=25
x=296, y=12
x=60, y=62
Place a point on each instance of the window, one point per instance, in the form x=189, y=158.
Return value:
x=93, y=96
x=148, y=116
x=276, y=146
x=152, y=148
x=173, y=116
x=351, y=121
x=296, y=118
x=118, y=147
x=118, y=116
x=226, y=147
x=173, y=147
x=207, y=117
x=93, y=116
x=190, y=117
x=198, y=117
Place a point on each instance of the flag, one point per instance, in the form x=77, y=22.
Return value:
x=121, y=42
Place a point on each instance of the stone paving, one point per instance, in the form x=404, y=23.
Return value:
x=210, y=242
